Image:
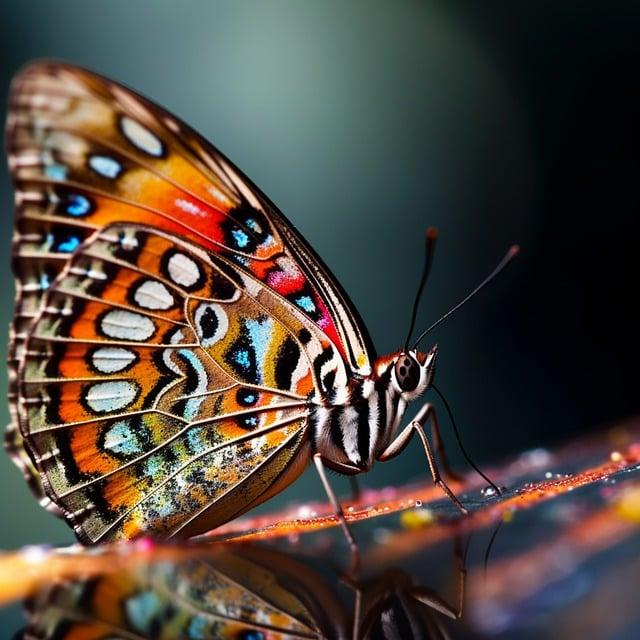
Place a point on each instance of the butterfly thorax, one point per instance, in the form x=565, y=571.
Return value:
x=358, y=422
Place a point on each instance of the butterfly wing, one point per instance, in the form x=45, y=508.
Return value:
x=85, y=154
x=160, y=391
x=85, y=151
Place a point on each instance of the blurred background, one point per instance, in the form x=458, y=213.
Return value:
x=367, y=121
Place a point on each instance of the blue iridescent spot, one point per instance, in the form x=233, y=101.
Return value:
x=154, y=467
x=252, y=224
x=261, y=333
x=242, y=358
x=78, y=205
x=241, y=238
x=246, y=397
x=306, y=304
x=194, y=438
x=56, y=171
x=69, y=245
x=251, y=634
x=120, y=439
x=105, y=166
x=45, y=281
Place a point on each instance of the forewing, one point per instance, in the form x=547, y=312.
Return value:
x=161, y=390
x=85, y=152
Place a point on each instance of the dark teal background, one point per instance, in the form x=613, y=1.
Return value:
x=368, y=121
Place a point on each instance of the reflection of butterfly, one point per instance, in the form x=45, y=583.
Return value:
x=238, y=592
x=179, y=352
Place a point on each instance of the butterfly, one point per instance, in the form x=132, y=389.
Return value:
x=179, y=353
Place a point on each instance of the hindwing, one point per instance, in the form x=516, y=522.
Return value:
x=161, y=390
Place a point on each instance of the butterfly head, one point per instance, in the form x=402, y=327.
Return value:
x=413, y=371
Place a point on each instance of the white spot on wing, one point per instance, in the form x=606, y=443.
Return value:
x=126, y=325
x=183, y=270
x=152, y=294
x=189, y=207
x=106, y=397
x=141, y=137
x=112, y=359
x=105, y=166
x=177, y=337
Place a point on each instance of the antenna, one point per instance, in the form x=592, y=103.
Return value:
x=430, y=237
x=508, y=257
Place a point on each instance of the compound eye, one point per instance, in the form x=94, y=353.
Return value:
x=407, y=373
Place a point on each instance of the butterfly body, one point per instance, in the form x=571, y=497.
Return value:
x=179, y=353
x=361, y=420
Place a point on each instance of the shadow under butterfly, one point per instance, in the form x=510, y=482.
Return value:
x=238, y=592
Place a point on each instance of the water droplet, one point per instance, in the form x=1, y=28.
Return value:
x=489, y=491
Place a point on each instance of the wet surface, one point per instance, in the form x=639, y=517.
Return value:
x=564, y=563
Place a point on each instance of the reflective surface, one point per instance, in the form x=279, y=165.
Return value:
x=564, y=563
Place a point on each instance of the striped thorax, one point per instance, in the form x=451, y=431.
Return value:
x=360, y=420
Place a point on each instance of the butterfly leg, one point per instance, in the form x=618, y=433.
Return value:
x=427, y=413
x=438, y=442
x=355, y=551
